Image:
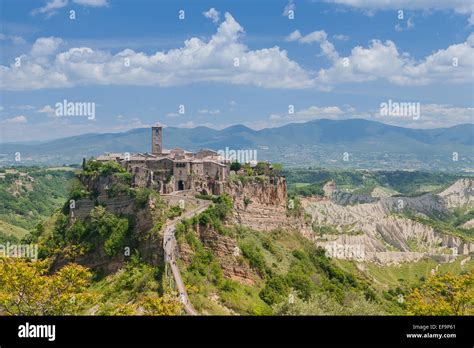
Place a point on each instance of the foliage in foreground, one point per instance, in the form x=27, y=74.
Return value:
x=445, y=294
x=26, y=288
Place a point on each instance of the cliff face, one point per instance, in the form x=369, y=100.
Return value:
x=370, y=232
x=148, y=245
x=460, y=194
x=225, y=250
x=141, y=219
x=259, y=203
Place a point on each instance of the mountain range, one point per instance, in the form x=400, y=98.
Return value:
x=334, y=143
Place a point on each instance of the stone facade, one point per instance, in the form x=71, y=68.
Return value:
x=168, y=171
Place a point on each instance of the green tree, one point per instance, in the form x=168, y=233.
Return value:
x=27, y=289
x=235, y=166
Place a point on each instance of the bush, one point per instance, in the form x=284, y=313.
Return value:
x=255, y=255
x=276, y=290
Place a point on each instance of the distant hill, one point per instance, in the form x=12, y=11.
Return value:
x=319, y=143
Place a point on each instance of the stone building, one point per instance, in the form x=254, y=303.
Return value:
x=173, y=170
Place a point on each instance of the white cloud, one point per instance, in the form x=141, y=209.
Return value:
x=382, y=60
x=294, y=36
x=15, y=39
x=289, y=7
x=213, y=60
x=197, y=61
x=212, y=14
x=52, y=6
x=445, y=115
x=15, y=120
x=431, y=116
x=45, y=46
x=48, y=110
x=320, y=37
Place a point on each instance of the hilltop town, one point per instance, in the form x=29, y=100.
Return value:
x=167, y=171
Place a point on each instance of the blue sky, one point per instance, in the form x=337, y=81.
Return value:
x=336, y=59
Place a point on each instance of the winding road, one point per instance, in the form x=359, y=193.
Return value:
x=170, y=248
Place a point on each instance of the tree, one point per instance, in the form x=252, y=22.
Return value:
x=166, y=305
x=445, y=294
x=277, y=168
x=26, y=289
x=235, y=166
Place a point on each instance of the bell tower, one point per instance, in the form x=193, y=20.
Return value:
x=156, y=140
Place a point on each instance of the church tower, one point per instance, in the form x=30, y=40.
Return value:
x=156, y=140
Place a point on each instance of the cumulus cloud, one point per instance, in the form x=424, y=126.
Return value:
x=223, y=58
x=212, y=14
x=294, y=36
x=320, y=37
x=382, y=60
x=45, y=46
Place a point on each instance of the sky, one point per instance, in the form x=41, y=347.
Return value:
x=219, y=63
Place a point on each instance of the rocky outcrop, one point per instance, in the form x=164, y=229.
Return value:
x=226, y=252
x=262, y=190
x=370, y=232
x=460, y=194
x=332, y=192
x=259, y=202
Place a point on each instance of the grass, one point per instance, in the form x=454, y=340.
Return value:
x=13, y=230
x=301, y=184
x=404, y=275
